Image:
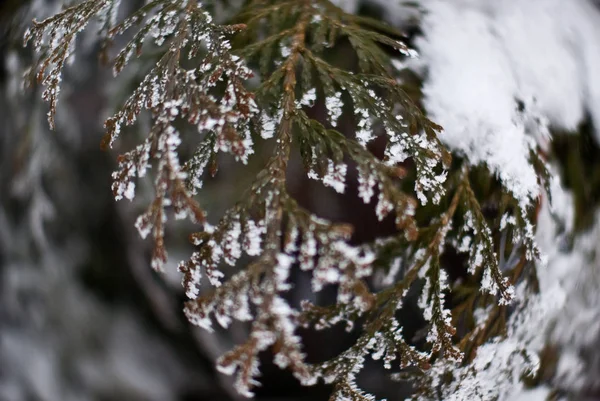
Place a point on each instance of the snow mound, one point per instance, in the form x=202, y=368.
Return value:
x=498, y=73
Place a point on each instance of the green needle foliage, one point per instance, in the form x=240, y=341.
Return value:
x=200, y=84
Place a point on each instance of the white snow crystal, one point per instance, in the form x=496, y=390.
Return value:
x=334, y=106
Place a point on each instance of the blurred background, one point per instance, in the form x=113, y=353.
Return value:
x=82, y=315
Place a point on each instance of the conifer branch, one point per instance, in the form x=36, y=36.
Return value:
x=285, y=42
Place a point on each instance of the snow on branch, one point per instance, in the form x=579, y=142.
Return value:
x=199, y=83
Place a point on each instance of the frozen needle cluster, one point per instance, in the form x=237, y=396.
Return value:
x=198, y=87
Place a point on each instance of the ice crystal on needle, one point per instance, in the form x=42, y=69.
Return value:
x=198, y=85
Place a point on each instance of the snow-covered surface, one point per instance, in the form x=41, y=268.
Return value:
x=498, y=72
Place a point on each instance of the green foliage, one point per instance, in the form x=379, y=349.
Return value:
x=202, y=79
